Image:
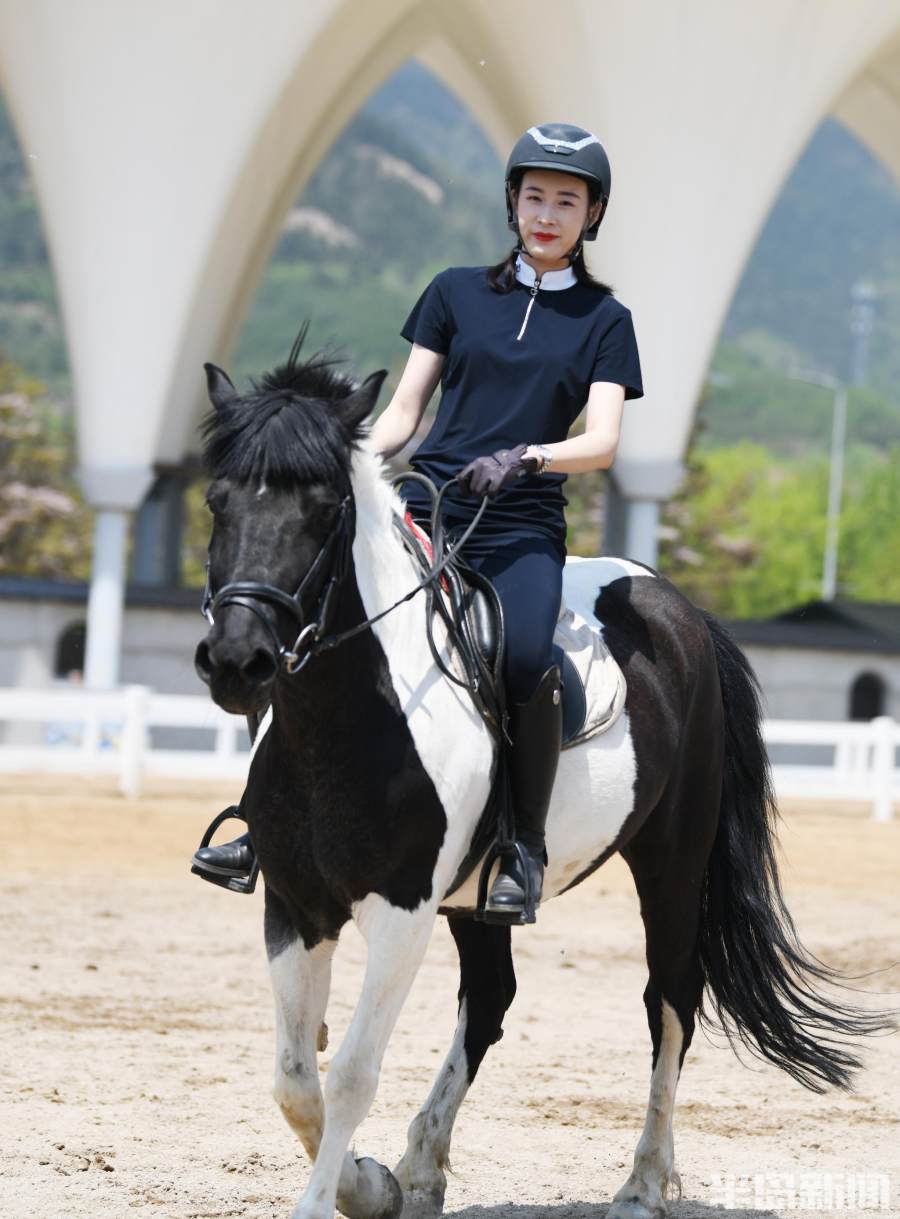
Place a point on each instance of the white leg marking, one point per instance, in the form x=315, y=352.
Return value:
x=643, y=1196
x=300, y=982
x=421, y=1171
x=397, y=940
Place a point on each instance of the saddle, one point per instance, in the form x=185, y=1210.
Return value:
x=593, y=685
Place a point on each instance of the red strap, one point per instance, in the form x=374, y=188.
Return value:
x=425, y=542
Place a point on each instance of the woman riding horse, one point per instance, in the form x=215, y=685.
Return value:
x=519, y=349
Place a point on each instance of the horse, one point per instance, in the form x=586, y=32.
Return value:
x=371, y=771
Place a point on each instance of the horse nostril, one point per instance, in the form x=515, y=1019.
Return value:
x=202, y=662
x=260, y=667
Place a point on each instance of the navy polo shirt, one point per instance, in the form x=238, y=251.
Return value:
x=518, y=369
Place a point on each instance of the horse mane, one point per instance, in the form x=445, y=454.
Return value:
x=285, y=430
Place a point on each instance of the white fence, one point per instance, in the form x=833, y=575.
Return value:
x=93, y=733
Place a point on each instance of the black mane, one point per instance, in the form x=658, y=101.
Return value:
x=284, y=431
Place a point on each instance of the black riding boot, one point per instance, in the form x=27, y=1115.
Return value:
x=234, y=858
x=233, y=865
x=536, y=729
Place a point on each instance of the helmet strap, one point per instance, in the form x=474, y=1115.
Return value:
x=576, y=248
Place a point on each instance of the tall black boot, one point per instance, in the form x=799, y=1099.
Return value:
x=537, y=736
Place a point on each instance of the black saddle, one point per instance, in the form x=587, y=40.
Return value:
x=479, y=615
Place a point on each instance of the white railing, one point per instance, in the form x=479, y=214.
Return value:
x=86, y=732
x=98, y=733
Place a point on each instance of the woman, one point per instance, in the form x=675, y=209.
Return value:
x=520, y=349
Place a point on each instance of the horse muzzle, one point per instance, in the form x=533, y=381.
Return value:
x=240, y=680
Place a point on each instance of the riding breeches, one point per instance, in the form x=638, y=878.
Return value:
x=527, y=574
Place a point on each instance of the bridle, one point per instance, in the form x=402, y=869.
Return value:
x=249, y=594
x=334, y=558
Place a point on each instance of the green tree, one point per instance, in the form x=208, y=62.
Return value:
x=45, y=528
x=745, y=536
x=869, y=562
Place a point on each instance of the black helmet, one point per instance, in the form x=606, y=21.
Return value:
x=568, y=149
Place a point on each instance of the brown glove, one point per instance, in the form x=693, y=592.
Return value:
x=488, y=475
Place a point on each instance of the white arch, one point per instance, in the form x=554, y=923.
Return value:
x=170, y=140
x=279, y=165
x=870, y=106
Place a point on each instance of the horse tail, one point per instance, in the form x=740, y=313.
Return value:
x=762, y=985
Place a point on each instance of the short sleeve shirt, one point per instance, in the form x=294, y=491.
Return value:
x=508, y=379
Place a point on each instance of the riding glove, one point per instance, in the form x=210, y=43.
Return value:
x=488, y=475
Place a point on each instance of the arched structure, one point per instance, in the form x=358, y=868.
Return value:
x=168, y=142
x=868, y=695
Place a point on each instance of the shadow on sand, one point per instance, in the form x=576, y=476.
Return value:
x=685, y=1209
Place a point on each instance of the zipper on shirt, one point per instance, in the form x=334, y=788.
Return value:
x=533, y=291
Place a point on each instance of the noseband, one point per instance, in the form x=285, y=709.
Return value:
x=336, y=550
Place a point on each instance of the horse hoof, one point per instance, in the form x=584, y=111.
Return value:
x=423, y=1203
x=376, y=1196
x=631, y=1207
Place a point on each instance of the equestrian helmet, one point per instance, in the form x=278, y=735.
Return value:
x=567, y=149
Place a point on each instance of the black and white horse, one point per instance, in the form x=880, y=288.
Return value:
x=370, y=775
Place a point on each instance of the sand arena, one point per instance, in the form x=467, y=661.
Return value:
x=136, y=1036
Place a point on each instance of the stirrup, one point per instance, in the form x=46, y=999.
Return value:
x=506, y=918
x=236, y=884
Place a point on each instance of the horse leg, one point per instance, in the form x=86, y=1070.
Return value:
x=363, y=1189
x=670, y=907
x=301, y=980
x=486, y=990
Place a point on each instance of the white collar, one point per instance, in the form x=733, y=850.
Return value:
x=551, y=281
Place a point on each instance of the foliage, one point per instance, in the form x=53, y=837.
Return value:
x=45, y=528
x=870, y=531
x=30, y=323
x=745, y=537
x=195, y=536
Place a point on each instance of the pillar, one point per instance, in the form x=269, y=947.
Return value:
x=106, y=600
x=114, y=493
x=635, y=493
x=158, y=526
x=641, y=523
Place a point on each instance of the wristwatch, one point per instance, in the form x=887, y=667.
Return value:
x=544, y=456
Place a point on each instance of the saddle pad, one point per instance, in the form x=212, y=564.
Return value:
x=602, y=679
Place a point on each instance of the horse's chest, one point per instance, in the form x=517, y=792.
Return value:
x=354, y=806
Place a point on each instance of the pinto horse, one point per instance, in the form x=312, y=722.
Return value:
x=371, y=772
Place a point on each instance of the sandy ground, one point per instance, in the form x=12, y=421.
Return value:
x=136, y=1037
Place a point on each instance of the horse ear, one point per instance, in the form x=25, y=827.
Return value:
x=358, y=406
x=218, y=386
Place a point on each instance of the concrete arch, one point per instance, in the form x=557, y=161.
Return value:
x=870, y=105
x=284, y=157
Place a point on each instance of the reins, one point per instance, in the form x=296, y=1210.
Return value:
x=312, y=637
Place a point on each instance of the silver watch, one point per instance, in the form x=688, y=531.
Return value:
x=546, y=457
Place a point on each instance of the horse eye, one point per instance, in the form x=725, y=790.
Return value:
x=216, y=498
